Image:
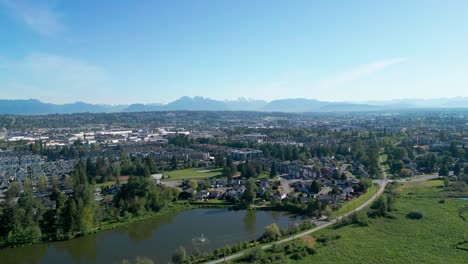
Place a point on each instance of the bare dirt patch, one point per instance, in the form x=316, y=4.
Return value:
x=308, y=241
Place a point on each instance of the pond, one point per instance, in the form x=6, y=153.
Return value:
x=155, y=238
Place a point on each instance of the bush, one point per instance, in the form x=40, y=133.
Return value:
x=379, y=207
x=326, y=239
x=414, y=215
x=272, y=233
x=359, y=218
x=179, y=256
x=299, y=255
x=256, y=255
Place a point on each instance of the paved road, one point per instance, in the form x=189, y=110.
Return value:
x=285, y=185
x=419, y=178
x=320, y=224
x=175, y=184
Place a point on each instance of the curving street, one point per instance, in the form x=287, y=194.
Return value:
x=320, y=223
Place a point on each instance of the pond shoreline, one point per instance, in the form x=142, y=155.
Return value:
x=173, y=208
x=156, y=237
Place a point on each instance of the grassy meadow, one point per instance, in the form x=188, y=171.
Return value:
x=440, y=236
x=353, y=204
x=192, y=174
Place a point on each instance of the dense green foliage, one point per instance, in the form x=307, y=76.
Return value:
x=28, y=221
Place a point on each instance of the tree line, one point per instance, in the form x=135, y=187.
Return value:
x=77, y=213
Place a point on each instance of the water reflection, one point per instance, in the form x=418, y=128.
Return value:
x=155, y=238
x=250, y=222
x=139, y=231
x=276, y=215
x=24, y=255
x=80, y=250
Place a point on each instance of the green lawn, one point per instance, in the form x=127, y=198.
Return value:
x=104, y=184
x=193, y=173
x=432, y=239
x=353, y=204
x=383, y=157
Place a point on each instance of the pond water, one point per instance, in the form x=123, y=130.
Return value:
x=464, y=199
x=155, y=238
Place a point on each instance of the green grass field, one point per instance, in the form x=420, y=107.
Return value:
x=383, y=158
x=353, y=204
x=104, y=184
x=432, y=239
x=192, y=174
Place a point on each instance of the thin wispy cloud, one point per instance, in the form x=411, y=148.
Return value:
x=360, y=72
x=40, y=17
x=55, y=78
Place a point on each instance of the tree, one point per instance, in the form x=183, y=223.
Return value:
x=55, y=182
x=457, y=169
x=27, y=185
x=220, y=160
x=315, y=187
x=174, y=162
x=380, y=206
x=149, y=161
x=42, y=183
x=273, y=171
x=146, y=171
x=193, y=184
x=336, y=174
x=453, y=149
x=443, y=171
x=405, y=172
x=400, y=153
x=313, y=206
x=465, y=170
x=364, y=185
x=70, y=217
x=68, y=182
x=250, y=192
x=116, y=172
x=14, y=190
x=179, y=256
x=256, y=256
x=91, y=169
x=446, y=182
x=272, y=232
x=229, y=170
x=205, y=185
x=396, y=167
x=343, y=177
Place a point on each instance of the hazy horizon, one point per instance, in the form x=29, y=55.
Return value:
x=109, y=52
x=240, y=99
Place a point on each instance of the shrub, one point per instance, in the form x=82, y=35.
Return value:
x=326, y=239
x=414, y=215
x=180, y=255
x=272, y=232
x=256, y=255
x=358, y=218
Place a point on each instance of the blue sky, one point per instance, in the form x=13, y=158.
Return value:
x=121, y=52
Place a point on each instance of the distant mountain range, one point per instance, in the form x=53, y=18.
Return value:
x=36, y=107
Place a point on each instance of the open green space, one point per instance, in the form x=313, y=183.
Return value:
x=355, y=203
x=440, y=236
x=193, y=173
x=104, y=184
x=383, y=158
